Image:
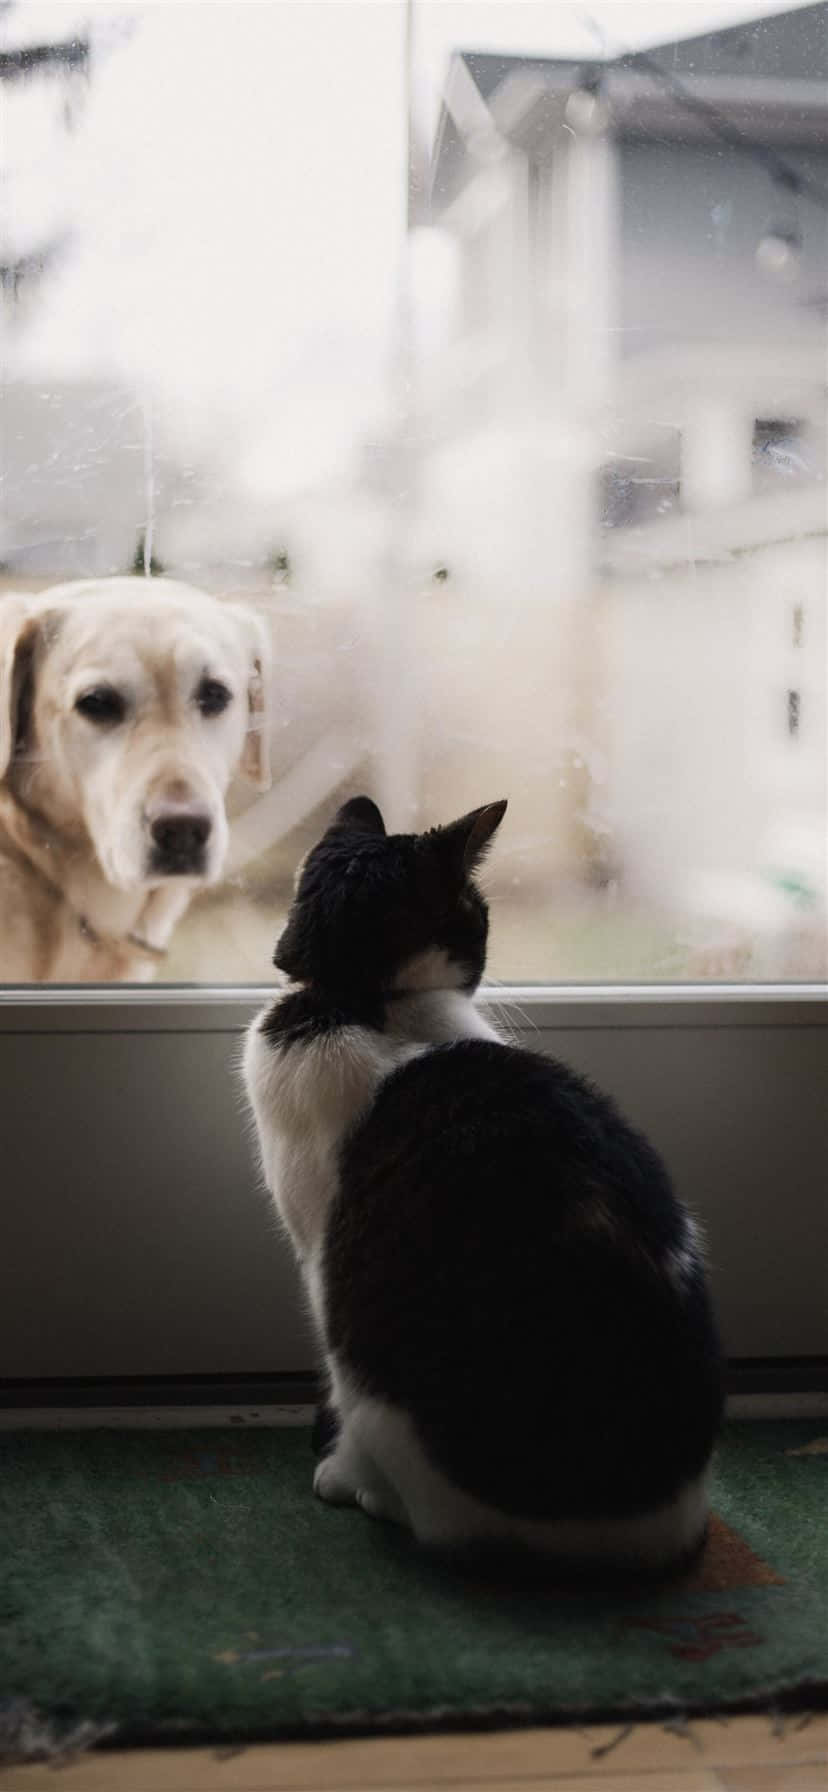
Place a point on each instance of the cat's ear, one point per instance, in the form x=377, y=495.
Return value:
x=362, y=815
x=468, y=839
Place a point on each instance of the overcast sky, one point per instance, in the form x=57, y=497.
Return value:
x=236, y=196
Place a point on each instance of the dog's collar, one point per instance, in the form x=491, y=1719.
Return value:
x=117, y=941
x=42, y=850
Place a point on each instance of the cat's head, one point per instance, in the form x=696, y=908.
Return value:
x=377, y=911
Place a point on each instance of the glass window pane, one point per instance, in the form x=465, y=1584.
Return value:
x=466, y=364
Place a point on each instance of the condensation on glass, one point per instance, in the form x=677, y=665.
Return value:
x=504, y=406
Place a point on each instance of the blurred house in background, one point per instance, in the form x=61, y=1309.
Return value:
x=578, y=557
x=641, y=292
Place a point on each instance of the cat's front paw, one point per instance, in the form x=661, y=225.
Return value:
x=373, y=1503
x=336, y=1489
x=332, y=1486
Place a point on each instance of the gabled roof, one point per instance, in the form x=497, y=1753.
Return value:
x=782, y=46
x=765, y=78
x=489, y=71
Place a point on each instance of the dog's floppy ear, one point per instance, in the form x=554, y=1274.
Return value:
x=255, y=759
x=17, y=631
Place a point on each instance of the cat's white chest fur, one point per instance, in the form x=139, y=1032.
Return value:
x=307, y=1095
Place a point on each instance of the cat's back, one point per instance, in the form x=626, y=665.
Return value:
x=472, y=1119
x=502, y=1242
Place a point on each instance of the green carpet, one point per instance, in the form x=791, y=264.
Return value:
x=187, y=1586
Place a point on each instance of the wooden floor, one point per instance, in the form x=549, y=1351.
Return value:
x=742, y=1754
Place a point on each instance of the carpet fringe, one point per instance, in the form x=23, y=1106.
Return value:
x=27, y=1734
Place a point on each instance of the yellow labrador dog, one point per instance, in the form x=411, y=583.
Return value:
x=126, y=706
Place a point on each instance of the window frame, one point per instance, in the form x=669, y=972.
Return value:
x=180, y=1007
x=656, y=1037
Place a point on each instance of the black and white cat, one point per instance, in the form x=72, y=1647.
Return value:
x=510, y=1299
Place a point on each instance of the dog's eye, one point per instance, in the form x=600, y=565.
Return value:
x=102, y=704
x=212, y=696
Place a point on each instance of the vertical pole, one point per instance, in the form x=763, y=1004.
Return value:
x=397, y=717
x=591, y=227
x=149, y=482
x=716, y=447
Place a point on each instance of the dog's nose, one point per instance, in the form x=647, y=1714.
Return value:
x=181, y=834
